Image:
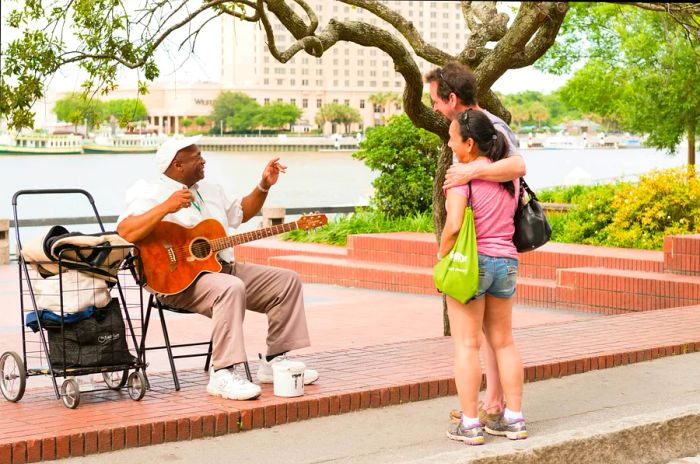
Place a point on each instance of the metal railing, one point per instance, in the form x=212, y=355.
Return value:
x=39, y=222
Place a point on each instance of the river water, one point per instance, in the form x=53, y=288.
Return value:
x=312, y=179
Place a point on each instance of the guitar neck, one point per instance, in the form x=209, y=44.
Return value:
x=238, y=239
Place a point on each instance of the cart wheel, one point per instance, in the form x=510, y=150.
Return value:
x=13, y=376
x=115, y=380
x=136, y=386
x=70, y=393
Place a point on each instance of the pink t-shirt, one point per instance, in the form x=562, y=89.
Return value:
x=494, y=209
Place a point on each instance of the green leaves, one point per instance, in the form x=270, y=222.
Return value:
x=406, y=158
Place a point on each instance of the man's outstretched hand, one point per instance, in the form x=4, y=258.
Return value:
x=271, y=173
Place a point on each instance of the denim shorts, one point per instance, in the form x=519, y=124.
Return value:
x=497, y=276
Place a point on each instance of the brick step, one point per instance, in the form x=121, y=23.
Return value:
x=395, y=277
x=682, y=254
x=536, y=292
x=544, y=262
x=409, y=248
x=260, y=251
x=614, y=291
x=362, y=274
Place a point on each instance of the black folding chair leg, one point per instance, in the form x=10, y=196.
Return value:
x=168, y=348
x=208, y=361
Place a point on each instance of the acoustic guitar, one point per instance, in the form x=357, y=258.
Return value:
x=173, y=256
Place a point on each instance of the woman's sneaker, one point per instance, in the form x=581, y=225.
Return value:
x=473, y=435
x=514, y=430
x=227, y=383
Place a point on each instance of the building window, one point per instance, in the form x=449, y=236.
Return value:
x=319, y=72
x=305, y=103
x=372, y=83
x=377, y=108
x=362, y=104
x=335, y=100
x=304, y=82
x=266, y=81
x=319, y=103
x=360, y=83
x=266, y=101
x=347, y=102
x=319, y=82
x=292, y=82
x=279, y=100
x=347, y=83
x=280, y=81
x=335, y=84
x=293, y=101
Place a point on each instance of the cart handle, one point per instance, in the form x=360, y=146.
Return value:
x=50, y=191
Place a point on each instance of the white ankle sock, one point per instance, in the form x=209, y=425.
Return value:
x=510, y=416
x=470, y=421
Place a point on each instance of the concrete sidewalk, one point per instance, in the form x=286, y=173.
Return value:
x=640, y=413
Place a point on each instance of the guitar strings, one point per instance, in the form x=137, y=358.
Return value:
x=200, y=247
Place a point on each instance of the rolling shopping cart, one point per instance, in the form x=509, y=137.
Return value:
x=78, y=293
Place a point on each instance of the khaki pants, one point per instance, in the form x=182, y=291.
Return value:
x=224, y=297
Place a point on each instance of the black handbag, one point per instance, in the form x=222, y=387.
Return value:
x=532, y=230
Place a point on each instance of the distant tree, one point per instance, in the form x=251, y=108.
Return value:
x=237, y=109
x=384, y=99
x=277, y=115
x=76, y=109
x=520, y=114
x=186, y=123
x=200, y=121
x=640, y=70
x=338, y=113
x=538, y=112
x=126, y=110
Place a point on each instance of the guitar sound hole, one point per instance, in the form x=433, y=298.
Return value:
x=200, y=248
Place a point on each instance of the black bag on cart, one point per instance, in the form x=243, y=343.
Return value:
x=99, y=340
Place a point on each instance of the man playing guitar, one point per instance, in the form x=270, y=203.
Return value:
x=182, y=196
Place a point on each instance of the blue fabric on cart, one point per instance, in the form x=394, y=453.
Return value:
x=51, y=320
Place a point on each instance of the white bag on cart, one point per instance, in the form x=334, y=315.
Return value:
x=79, y=291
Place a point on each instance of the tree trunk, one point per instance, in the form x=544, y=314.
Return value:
x=691, y=148
x=444, y=162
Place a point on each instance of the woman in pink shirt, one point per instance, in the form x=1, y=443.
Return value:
x=474, y=139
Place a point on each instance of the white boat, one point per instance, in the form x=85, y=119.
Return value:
x=42, y=144
x=123, y=143
x=562, y=142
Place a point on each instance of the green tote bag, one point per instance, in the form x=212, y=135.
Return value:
x=457, y=273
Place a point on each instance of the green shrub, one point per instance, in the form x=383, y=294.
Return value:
x=631, y=215
x=591, y=214
x=564, y=194
x=363, y=222
x=662, y=203
x=406, y=158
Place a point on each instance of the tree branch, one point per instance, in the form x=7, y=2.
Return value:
x=422, y=48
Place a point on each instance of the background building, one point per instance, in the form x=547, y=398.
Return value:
x=346, y=74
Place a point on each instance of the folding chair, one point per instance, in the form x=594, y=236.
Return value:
x=153, y=302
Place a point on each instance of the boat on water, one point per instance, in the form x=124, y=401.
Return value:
x=123, y=143
x=42, y=144
x=562, y=142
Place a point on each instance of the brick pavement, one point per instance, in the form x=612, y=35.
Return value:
x=40, y=427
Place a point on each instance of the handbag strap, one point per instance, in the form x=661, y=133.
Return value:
x=526, y=188
x=469, y=202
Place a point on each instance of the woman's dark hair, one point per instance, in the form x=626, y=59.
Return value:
x=492, y=143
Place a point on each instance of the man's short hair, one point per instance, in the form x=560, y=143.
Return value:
x=454, y=78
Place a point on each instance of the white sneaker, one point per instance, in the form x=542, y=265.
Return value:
x=265, y=370
x=227, y=383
